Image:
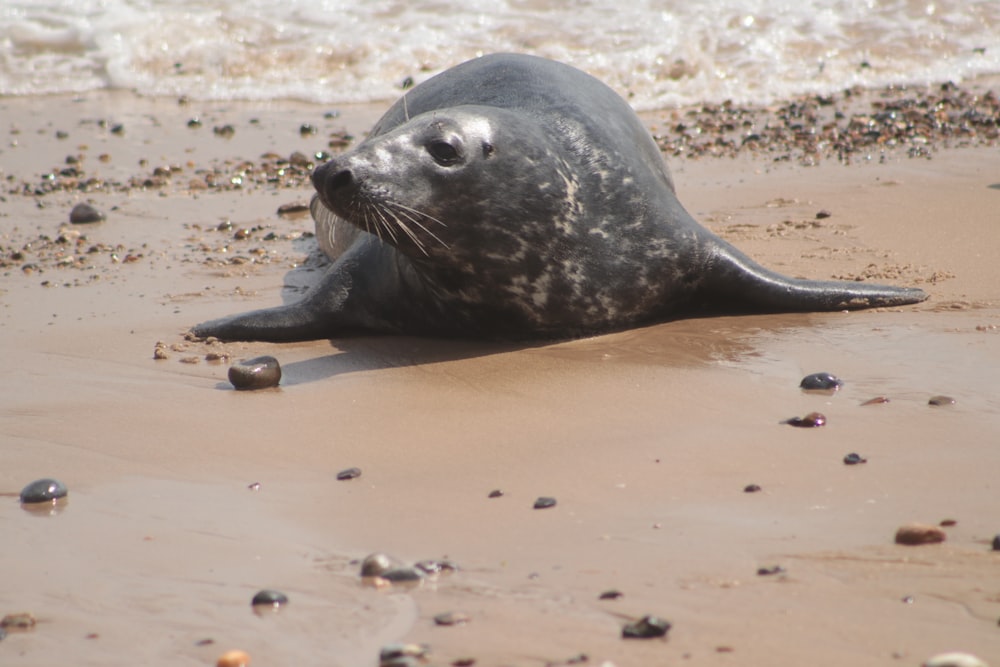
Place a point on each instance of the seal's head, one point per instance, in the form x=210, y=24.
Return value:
x=464, y=178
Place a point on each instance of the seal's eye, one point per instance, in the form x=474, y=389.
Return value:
x=444, y=153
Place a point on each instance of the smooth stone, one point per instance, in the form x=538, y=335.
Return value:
x=451, y=618
x=403, y=575
x=83, y=214
x=495, y=493
x=821, y=382
x=854, y=459
x=996, y=542
x=941, y=401
x=955, y=659
x=646, y=627
x=610, y=595
x=914, y=534
x=348, y=473
x=396, y=651
x=770, y=571
x=43, y=491
x=751, y=488
x=811, y=420
x=376, y=564
x=233, y=659
x=257, y=373
x=269, y=598
x=544, y=502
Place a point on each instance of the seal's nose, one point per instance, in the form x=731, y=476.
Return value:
x=330, y=177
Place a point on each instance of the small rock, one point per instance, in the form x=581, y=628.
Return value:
x=233, y=659
x=941, y=401
x=913, y=534
x=393, y=652
x=811, y=420
x=996, y=542
x=374, y=565
x=349, y=473
x=854, y=459
x=770, y=571
x=495, y=493
x=84, y=214
x=878, y=400
x=954, y=660
x=44, y=491
x=21, y=621
x=269, y=598
x=293, y=210
x=751, y=488
x=257, y=373
x=823, y=214
x=544, y=502
x=821, y=382
x=451, y=618
x=403, y=575
x=947, y=523
x=646, y=627
x=610, y=595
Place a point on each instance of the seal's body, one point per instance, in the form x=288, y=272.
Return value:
x=516, y=197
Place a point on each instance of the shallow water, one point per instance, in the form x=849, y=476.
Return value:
x=658, y=52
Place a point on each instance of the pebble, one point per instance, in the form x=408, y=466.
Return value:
x=257, y=373
x=996, y=542
x=821, y=382
x=402, y=575
x=544, y=502
x=234, y=658
x=451, y=618
x=43, y=491
x=941, y=401
x=770, y=571
x=878, y=400
x=21, y=621
x=293, y=210
x=374, y=565
x=646, y=627
x=823, y=214
x=400, y=652
x=811, y=420
x=269, y=598
x=610, y=595
x=84, y=214
x=913, y=534
x=349, y=473
x=751, y=488
x=854, y=459
x=495, y=493
x=954, y=660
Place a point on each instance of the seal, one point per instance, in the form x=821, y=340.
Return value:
x=513, y=197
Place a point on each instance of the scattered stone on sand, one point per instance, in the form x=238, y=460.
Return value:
x=348, y=473
x=647, y=627
x=400, y=655
x=294, y=210
x=44, y=491
x=996, y=542
x=269, y=598
x=451, y=618
x=84, y=214
x=160, y=351
x=821, y=382
x=24, y=620
x=822, y=214
x=612, y=594
x=544, y=502
x=495, y=493
x=235, y=658
x=770, y=571
x=225, y=131
x=878, y=400
x=947, y=523
x=257, y=373
x=751, y=488
x=955, y=659
x=254, y=486
x=854, y=459
x=914, y=534
x=374, y=565
x=811, y=420
x=941, y=401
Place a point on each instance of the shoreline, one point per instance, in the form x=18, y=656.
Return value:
x=647, y=438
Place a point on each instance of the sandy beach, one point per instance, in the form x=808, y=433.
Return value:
x=187, y=497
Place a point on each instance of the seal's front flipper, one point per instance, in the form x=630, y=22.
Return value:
x=340, y=303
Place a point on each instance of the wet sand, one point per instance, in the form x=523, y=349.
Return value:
x=646, y=438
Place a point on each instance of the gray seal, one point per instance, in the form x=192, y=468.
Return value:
x=514, y=197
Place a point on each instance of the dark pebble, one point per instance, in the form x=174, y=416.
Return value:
x=293, y=209
x=403, y=575
x=646, y=627
x=940, y=401
x=374, y=565
x=451, y=618
x=811, y=420
x=84, y=214
x=751, y=488
x=770, y=571
x=269, y=598
x=544, y=502
x=821, y=382
x=306, y=129
x=878, y=400
x=823, y=214
x=349, y=473
x=256, y=373
x=996, y=542
x=610, y=595
x=43, y=491
x=854, y=459
x=495, y=493
x=914, y=534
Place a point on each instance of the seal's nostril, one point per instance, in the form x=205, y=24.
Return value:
x=341, y=179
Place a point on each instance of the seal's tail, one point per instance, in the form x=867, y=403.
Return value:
x=743, y=284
